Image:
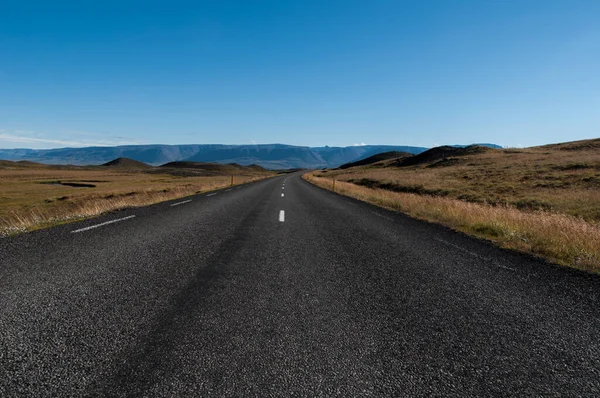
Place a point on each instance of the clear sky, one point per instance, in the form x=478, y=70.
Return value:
x=326, y=72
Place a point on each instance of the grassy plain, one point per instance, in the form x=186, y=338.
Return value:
x=541, y=200
x=34, y=196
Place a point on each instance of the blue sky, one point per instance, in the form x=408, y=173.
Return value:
x=424, y=73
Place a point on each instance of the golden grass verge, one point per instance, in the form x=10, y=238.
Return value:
x=19, y=220
x=559, y=238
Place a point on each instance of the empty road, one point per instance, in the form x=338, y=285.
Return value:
x=279, y=288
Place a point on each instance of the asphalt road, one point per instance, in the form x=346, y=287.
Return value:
x=224, y=294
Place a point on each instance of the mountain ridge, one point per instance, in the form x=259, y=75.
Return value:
x=270, y=156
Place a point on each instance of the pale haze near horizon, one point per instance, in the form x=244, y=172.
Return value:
x=313, y=73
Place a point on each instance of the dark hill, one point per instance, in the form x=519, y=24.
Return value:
x=376, y=158
x=21, y=164
x=29, y=163
x=126, y=163
x=209, y=169
x=494, y=146
x=442, y=154
x=7, y=163
x=212, y=166
x=257, y=168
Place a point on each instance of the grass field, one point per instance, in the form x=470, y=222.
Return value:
x=35, y=196
x=543, y=200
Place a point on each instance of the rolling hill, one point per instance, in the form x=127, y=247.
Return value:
x=441, y=154
x=376, y=158
x=126, y=163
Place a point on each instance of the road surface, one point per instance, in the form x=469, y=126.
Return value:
x=279, y=288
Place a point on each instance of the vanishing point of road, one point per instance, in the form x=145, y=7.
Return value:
x=279, y=288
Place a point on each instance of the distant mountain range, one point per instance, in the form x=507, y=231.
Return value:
x=271, y=156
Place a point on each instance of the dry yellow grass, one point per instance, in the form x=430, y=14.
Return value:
x=30, y=198
x=561, y=181
x=560, y=238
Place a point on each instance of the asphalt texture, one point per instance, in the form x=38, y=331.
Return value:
x=218, y=297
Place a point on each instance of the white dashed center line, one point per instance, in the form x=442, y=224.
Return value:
x=180, y=203
x=282, y=216
x=100, y=225
x=282, y=195
x=227, y=190
x=212, y=194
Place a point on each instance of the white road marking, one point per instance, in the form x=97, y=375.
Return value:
x=350, y=203
x=227, y=190
x=180, y=203
x=381, y=215
x=282, y=216
x=282, y=195
x=487, y=259
x=212, y=194
x=102, y=224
